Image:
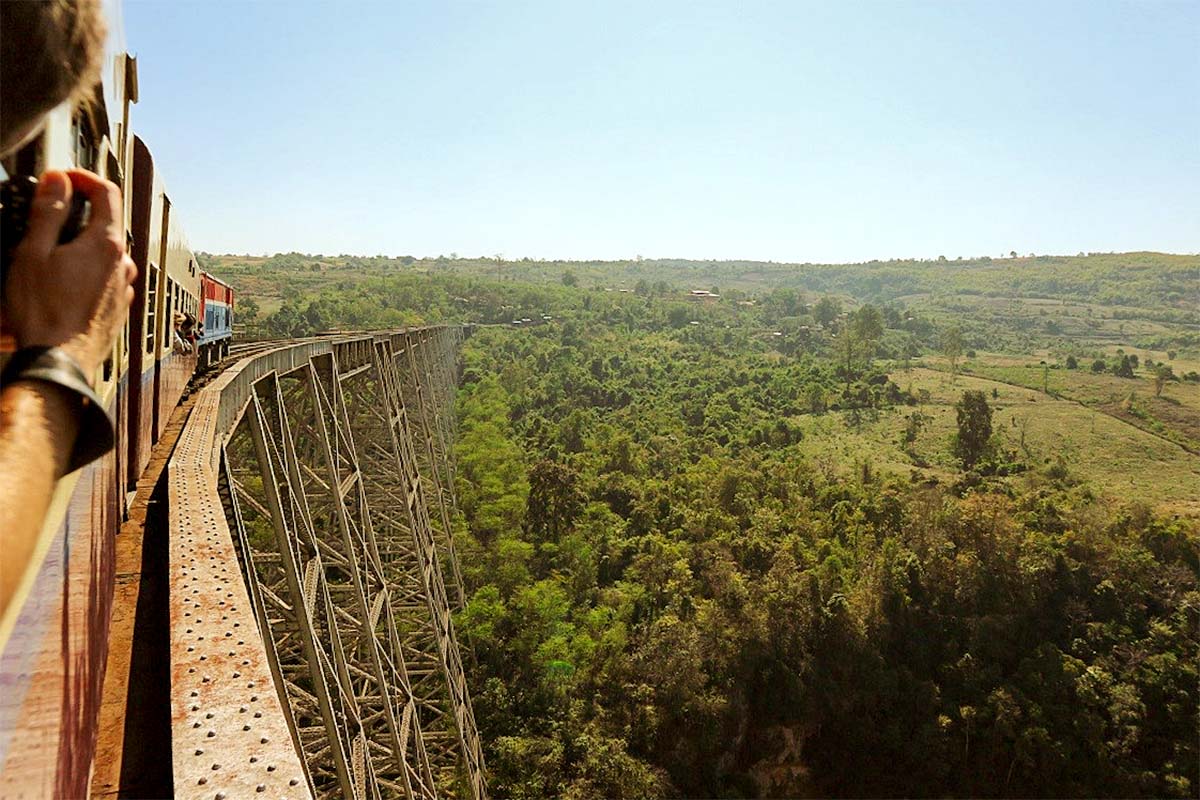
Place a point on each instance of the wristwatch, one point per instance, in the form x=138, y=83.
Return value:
x=97, y=433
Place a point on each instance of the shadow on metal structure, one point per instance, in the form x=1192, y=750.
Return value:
x=313, y=576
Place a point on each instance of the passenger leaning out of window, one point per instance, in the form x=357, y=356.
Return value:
x=64, y=304
x=182, y=332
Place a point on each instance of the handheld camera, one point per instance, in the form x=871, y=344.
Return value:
x=16, y=200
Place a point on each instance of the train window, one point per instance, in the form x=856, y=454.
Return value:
x=83, y=140
x=113, y=170
x=168, y=312
x=151, y=305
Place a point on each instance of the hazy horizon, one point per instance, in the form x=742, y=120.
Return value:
x=582, y=260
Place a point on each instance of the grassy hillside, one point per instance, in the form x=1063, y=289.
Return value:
x=1157, y=282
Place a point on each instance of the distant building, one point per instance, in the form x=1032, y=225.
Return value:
x=703, y=295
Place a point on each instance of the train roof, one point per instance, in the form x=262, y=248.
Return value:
x=208, y=276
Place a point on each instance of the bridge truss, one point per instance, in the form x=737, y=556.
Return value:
x=313, y=577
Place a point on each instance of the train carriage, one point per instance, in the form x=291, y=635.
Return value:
x=216, y=314
x=178, y=294
x=54, y=632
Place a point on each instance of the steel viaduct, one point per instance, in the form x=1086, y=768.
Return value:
x=299, y=643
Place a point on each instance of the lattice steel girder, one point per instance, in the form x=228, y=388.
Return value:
x=392, y=503
x=302, y=572
x=354, y=520
x=430, y=572
x=323, y=491
x=415, y=363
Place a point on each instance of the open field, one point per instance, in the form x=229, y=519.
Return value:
x=1175, y=415
x=1070, y=325
x=1108, y=454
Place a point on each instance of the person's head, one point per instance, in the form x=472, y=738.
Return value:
x=50, y=51
x=178, y=319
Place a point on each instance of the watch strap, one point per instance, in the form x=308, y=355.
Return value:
x=97, y=433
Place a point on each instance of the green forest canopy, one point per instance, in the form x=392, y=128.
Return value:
x=671, y=595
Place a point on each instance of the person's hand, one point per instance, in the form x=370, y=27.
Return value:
x=76, y=295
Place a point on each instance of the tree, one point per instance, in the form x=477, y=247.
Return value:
x=846, y=347
x=555, y=501
x=814, y=398
x=1072, y=362
x=287, y=321
x=974, y=428
x=867, y=328
x=678, y=315
x=1099, y=366
x=952, y=348
x=912, y=427
x=569, y=279
x=247, y=310
x=1124, y=369
x=827, y=310
x=1162, y=374
x=909, y=350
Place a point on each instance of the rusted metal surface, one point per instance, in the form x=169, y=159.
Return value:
x=308, y=580
x=229, y=737
x=53, y=640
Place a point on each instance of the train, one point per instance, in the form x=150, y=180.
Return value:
x=54, y=632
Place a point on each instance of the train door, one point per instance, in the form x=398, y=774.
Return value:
x=141, y=312
x=117, y=366
x=161, y=330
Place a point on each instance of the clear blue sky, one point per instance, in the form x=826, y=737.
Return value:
x=786, y=131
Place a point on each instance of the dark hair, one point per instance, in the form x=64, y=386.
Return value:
x=50, y=51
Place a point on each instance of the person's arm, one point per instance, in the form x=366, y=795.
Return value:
x=73, y=296
x=38, y=425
